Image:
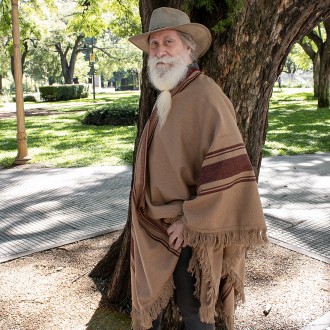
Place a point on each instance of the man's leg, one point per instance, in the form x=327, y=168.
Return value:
x=156, y=324
x=184, y=294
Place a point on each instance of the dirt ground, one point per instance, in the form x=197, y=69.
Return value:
x=51, y=290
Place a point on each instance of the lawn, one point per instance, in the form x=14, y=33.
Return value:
x=296, y=126
x=62, y=141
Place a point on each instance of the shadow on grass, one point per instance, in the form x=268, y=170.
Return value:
x=105, y=319
x=297, y=126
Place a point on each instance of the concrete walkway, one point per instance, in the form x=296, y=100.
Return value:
x=295, y=193
x=42, y=208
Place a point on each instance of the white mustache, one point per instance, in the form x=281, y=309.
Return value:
x=165, y=60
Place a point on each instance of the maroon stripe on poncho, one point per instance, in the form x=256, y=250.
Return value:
x=225, y=169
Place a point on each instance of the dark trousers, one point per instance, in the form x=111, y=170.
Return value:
x=184, y=296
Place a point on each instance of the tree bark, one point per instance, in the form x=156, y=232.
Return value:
x=314, y=56
x=316, y=75
x=324, y=72
x=68, y=69
x=245, y=60
x=23, y=57
x=321, y=64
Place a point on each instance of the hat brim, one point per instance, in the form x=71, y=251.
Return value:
x=199, y=33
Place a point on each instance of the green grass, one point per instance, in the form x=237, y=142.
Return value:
x=62, y=141
x=296, y=125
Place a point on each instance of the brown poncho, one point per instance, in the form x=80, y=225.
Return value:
x=196, y=165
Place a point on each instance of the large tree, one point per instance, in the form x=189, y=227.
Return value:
x=321, y=60
x=32, y=19
x=251, y=40
x=45, y=24
x=87, y=19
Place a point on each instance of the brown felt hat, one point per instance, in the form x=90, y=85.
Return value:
x=165, y=18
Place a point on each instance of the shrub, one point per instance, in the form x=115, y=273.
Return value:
x=28, y=98
x=63, y=92
x=117, y=114
x=128, y=87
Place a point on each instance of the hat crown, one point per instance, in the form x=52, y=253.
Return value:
x=166, y=17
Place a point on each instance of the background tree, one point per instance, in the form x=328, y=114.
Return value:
x=88, y=19
x=5, y=24
x=251, y=40
x=4, y=61
x=299, y=56
x=43, y=65
x=296, y=60
x=46, y=27
x=317, y=46
x=32, y=22
x=33, y=16
x=115, y=54
x=290, y=67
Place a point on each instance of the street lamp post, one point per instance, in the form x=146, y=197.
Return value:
x=22, y=155
x=92, y=60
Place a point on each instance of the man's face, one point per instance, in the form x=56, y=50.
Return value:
x=167, y=44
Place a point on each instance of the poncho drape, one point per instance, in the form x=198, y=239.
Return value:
x=194, y=167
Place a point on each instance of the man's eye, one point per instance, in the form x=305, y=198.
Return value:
x=168, y=42
x=153, y=44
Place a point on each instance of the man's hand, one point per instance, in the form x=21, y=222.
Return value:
x=175, y=235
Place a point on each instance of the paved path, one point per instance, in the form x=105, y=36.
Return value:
x=43, y=208
x=295, y=193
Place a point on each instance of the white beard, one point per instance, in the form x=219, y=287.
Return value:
x=165, y=79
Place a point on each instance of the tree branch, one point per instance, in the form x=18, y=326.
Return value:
x=113, y=57
x=327, y=27
x=313, y=36
x=24, y=54
x=307, y=47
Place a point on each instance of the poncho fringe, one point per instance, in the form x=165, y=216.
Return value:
x=142, y=320
x=199, y=266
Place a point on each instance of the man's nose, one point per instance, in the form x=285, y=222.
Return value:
x=161, y=51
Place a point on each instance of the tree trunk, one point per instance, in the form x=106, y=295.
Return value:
x=324, y=75
x=324, y=72
x=68, y=69
x=314, y=56
x=321, y=63
x=245, y=61
x=1, y=84
x=316, y=74
x=23, y=57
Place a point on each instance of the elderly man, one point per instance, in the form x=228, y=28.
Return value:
x=195, y=201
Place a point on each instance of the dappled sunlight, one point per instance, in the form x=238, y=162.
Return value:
x=294, y=192
x=296, y=125
x=43, y=209
x=60, y=140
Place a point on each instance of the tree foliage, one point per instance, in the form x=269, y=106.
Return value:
x=47, y=28
x=300, y=58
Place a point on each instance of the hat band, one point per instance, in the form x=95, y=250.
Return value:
x=159, y=28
